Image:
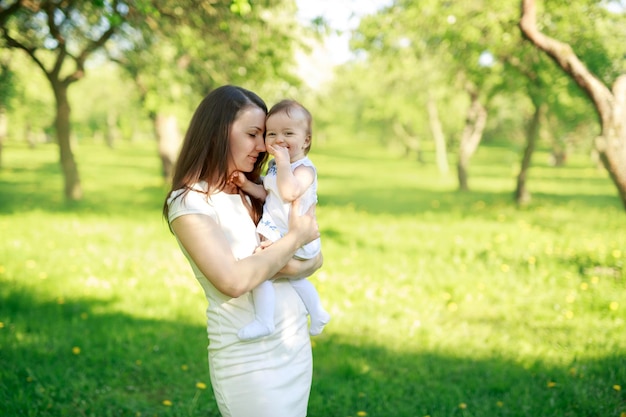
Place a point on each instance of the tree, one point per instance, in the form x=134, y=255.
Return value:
x=610, y=105
x=173, y=55
x=176, y=57
x=446, y=42
x=59, y=37
x=6, y=93
x=479, y=52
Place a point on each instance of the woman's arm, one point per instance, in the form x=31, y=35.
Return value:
x=296, y=268
x=206, y=244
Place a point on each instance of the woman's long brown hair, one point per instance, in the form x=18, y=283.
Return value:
x=205, y=150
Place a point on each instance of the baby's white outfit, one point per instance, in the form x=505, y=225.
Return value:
x=274, y=224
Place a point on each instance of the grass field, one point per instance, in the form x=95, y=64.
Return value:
x=443, y=303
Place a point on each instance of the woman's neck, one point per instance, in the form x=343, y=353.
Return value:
x=230, y=189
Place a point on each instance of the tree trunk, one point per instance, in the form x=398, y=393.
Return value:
x=470, y=138
x=610, y=106
x=4, y=128
x=73, y=189
x=112, y=130
x=437, y=131
x=522, y=195
x=169, y=140
x=409, y=140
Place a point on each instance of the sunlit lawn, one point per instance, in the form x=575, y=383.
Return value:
x=443, y=304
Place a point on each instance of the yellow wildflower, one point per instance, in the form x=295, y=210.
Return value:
x=462, y=406
x=200, y=385
x=361, y=413
x=551, y=384
x=76, y=350
x=617, y=387
x=167, y=403
x=614, y=305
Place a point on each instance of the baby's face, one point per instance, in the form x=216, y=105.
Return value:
x=288, y=131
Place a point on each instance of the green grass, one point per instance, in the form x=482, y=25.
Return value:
x=443, y=303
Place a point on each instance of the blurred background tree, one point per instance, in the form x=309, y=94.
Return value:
x=430, y=79
x=174, y=51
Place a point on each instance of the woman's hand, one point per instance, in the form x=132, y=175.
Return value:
x=304, y=226
x=296, y=268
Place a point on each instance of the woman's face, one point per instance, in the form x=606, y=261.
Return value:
x=246, y=139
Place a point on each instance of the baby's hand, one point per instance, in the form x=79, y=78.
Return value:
x=238, y=178
x=280, y=153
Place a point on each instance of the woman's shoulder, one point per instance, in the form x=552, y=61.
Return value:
x=192, y=200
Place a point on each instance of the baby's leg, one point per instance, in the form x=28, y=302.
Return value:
x=307, y=292
x=263, y=324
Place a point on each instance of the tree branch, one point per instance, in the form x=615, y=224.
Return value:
x=6, y=12
x=565, y=57
x=13, y=43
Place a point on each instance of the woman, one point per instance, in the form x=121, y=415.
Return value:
x=215, y=225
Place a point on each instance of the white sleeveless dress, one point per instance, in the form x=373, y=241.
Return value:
x=266, y=377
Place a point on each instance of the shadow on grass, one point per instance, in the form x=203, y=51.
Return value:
x=408, y=201
x=124, y=183
x=35, y=192
x=128, y=366
x=350, y=378
x=67, y=358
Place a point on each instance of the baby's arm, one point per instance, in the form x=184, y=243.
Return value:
x=291, y=184
x=255, y=190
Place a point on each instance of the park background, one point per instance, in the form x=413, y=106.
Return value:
x=474, y=239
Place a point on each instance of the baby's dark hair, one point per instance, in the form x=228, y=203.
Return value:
x=289, y=106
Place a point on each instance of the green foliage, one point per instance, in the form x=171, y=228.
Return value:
x=176, y=57
x=443, y=303
x=108, y=104
x=31, y=108
x=7, y=86
x=443, y=48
